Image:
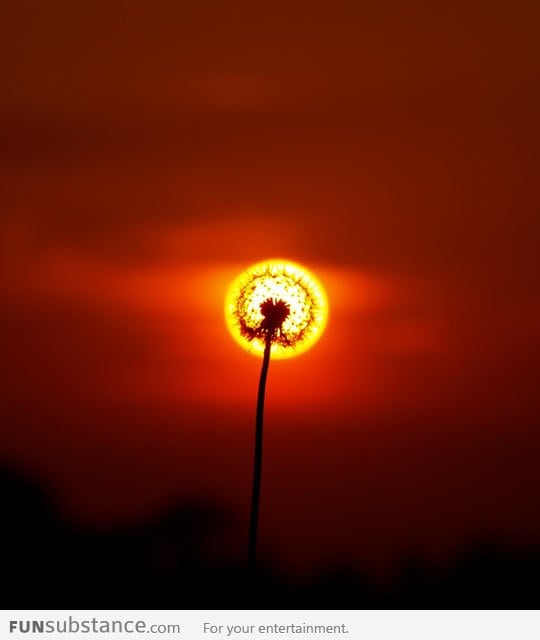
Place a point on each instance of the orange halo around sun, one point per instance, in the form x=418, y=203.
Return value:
x=281, y=280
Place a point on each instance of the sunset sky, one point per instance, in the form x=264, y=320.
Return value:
x=151, y=151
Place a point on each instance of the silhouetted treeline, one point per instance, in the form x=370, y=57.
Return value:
x=48, y=563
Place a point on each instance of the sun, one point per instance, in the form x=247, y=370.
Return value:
x=278, y=296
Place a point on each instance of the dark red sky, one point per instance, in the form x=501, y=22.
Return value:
x=151, y=152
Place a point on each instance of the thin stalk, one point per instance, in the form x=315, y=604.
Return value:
x=257, y=461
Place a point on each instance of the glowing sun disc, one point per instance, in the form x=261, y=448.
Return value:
x=277, y=280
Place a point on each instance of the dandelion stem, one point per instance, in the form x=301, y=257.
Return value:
x=257, y=461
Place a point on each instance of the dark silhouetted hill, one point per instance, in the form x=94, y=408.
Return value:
x=49, y=563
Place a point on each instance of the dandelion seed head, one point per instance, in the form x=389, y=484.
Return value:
x=278, y=298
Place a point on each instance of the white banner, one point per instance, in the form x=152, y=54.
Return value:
x=267, y=625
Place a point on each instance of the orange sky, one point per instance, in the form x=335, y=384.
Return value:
x=150, y=154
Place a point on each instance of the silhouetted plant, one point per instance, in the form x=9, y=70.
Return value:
x=274, y=312
x=275, y=308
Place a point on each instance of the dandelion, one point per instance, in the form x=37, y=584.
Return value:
x=277, y=309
